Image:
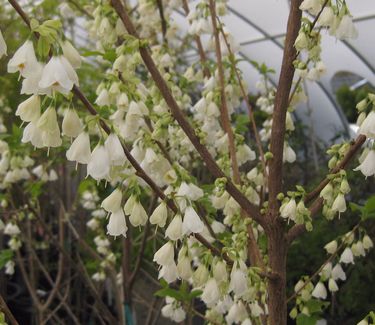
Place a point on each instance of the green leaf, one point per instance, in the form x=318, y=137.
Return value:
x=110, y=55
x=303, y=319
x=368, y=211
x=35, y=189
x=316, y=306
x=34, y=24
x=168, y=292
x=54, y=24
x=195, y=294
x=43, y=46
x=5, y=256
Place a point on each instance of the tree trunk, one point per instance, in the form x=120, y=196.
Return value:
x=277, y=250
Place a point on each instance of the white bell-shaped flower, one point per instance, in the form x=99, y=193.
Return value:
x=289, y=210
x=103, y=98
x=11, y=229
x=51, y=130
x=30, y=85
x=29, y=110
x=331, y=247
x=256, y=310
x=3, y=46
x=71, y=124
x=244, y=154
x=169, y=272
x=184, y=267
x=347, y=256
x=312, y=6
x=33, y=134
x=58, y=75
x=112, y=202
x=346, y=29
x=159, y=216
x=220, y=271
x=190, y=191
x=80, y=150
x=138, y=215
x=115, y=150
x=165, y=254
x=211, y=293
x=192, y=223
x=332, y=285
x=174, y=230
x=327, y=17
x=128, y=207
x=368, y=125
x=117, y=224
x=338, y=273
x=367, y=242
x=71, y=54
x=99, y=164
x=367, y=167
x=319, y=291
x=238, y=281
x=339, y=204
x=24, y=60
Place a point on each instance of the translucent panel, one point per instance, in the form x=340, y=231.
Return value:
x=364, y=44
x=270, y=15
x=320, y=115
x=339, y=57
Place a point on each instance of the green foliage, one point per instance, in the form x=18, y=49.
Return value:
x=303, y=319
x=183, y=294
x=348, y=100
x=5, y=256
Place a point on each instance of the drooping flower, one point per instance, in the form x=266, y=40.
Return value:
x=368, y=125
x=191, y=191
x=165, y=254
x=11, y=229
x=80, y=150
x=338, y=272
x=174, y=230
x=346, y=29
x=312, y=6
x=211, y=293
x=138, y=216
x=184, y=266
x=347, y=256
x=220, y=271
x=289, y=210
x=3, y=46
x=339, y=204
x=24, y=60
x=169, y=272
x=71, y=54
x=331, y=247
x=332, y=285
x=103, y=98
x=244, y=154
x=33, y=134
x=319, y=291
x=192, y=222
x=367, y=242
x=99, y=164
x=58, y=75
x=112, y=202
x=29, y=110
x=51, y=130
x=238, y=281
x=71, y=124
x=117, y=224
x=327, y=17
x=160, y=214
x=367, y=167
x=115, y=150
x=30, y=85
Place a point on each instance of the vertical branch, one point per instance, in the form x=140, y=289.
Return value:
x=224, y=115
x=281, y=106
x=162, y=20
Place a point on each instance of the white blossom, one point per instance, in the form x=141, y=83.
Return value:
x=165, y=254
x=367, y=167
x=3, y=46
x=98, y=166
x=117, y=224
x=80, y=150
x=319, y=291
x=24, y=60
x=192, y=222
x=347, y=256
x=174, y=230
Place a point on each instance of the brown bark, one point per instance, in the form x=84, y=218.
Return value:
x=277, y=250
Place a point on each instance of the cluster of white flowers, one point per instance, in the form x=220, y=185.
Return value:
x=332, y=271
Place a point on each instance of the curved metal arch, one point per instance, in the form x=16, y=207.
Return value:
x=274, y=40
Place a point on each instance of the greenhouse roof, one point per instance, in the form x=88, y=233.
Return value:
x=259, y=27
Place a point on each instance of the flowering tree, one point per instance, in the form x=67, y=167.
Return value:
x=161, y=132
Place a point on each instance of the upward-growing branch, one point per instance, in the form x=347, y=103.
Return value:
x=280, y=108
x=215, y=170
